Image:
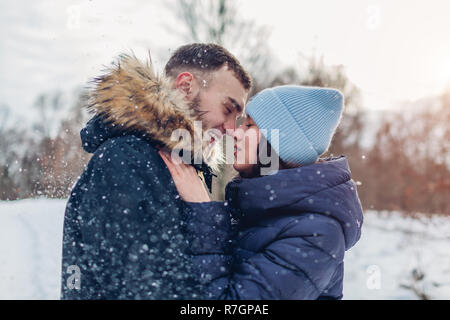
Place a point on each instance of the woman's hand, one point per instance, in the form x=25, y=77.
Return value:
x=188, y=183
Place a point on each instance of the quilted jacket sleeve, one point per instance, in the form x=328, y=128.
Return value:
x=297, y=264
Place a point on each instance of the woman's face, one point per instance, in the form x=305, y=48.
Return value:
x=246, y=140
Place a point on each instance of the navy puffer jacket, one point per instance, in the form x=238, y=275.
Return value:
x=286, y=236
x=124, y=235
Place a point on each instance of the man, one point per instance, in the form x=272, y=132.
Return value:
x=124, y=228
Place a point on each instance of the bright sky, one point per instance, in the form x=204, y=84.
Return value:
x=393, y=50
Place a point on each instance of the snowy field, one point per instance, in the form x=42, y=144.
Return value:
x=396, y=258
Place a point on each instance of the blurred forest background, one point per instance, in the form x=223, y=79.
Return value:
x=399, y=160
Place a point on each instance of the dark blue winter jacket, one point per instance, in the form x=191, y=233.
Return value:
x=292, y=230
x=124, y=227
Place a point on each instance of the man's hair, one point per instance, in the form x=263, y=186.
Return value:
x=204, y=58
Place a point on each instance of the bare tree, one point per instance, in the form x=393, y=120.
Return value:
x=219, y=21
x=4, y=117
x=48, y=106
x=407, y=169
x=38, y=164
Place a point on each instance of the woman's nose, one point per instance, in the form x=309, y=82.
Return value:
x=238, y=133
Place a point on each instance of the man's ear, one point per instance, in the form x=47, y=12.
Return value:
x=186, y=83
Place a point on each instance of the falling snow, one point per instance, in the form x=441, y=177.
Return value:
x=30, y=263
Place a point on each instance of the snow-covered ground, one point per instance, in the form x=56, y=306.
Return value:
x=378, y=267
x=30, y=248
x=392, y=252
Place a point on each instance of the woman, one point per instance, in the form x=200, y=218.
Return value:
x=291, y=227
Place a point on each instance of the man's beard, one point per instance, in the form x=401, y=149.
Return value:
x=195, y=106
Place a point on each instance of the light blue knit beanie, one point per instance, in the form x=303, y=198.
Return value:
x=306, y=118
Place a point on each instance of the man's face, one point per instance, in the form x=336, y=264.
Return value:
x=221, y=99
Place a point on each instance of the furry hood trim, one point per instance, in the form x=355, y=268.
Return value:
x=131, y=96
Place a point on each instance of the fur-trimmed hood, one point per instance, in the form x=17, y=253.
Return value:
x=131, y=97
